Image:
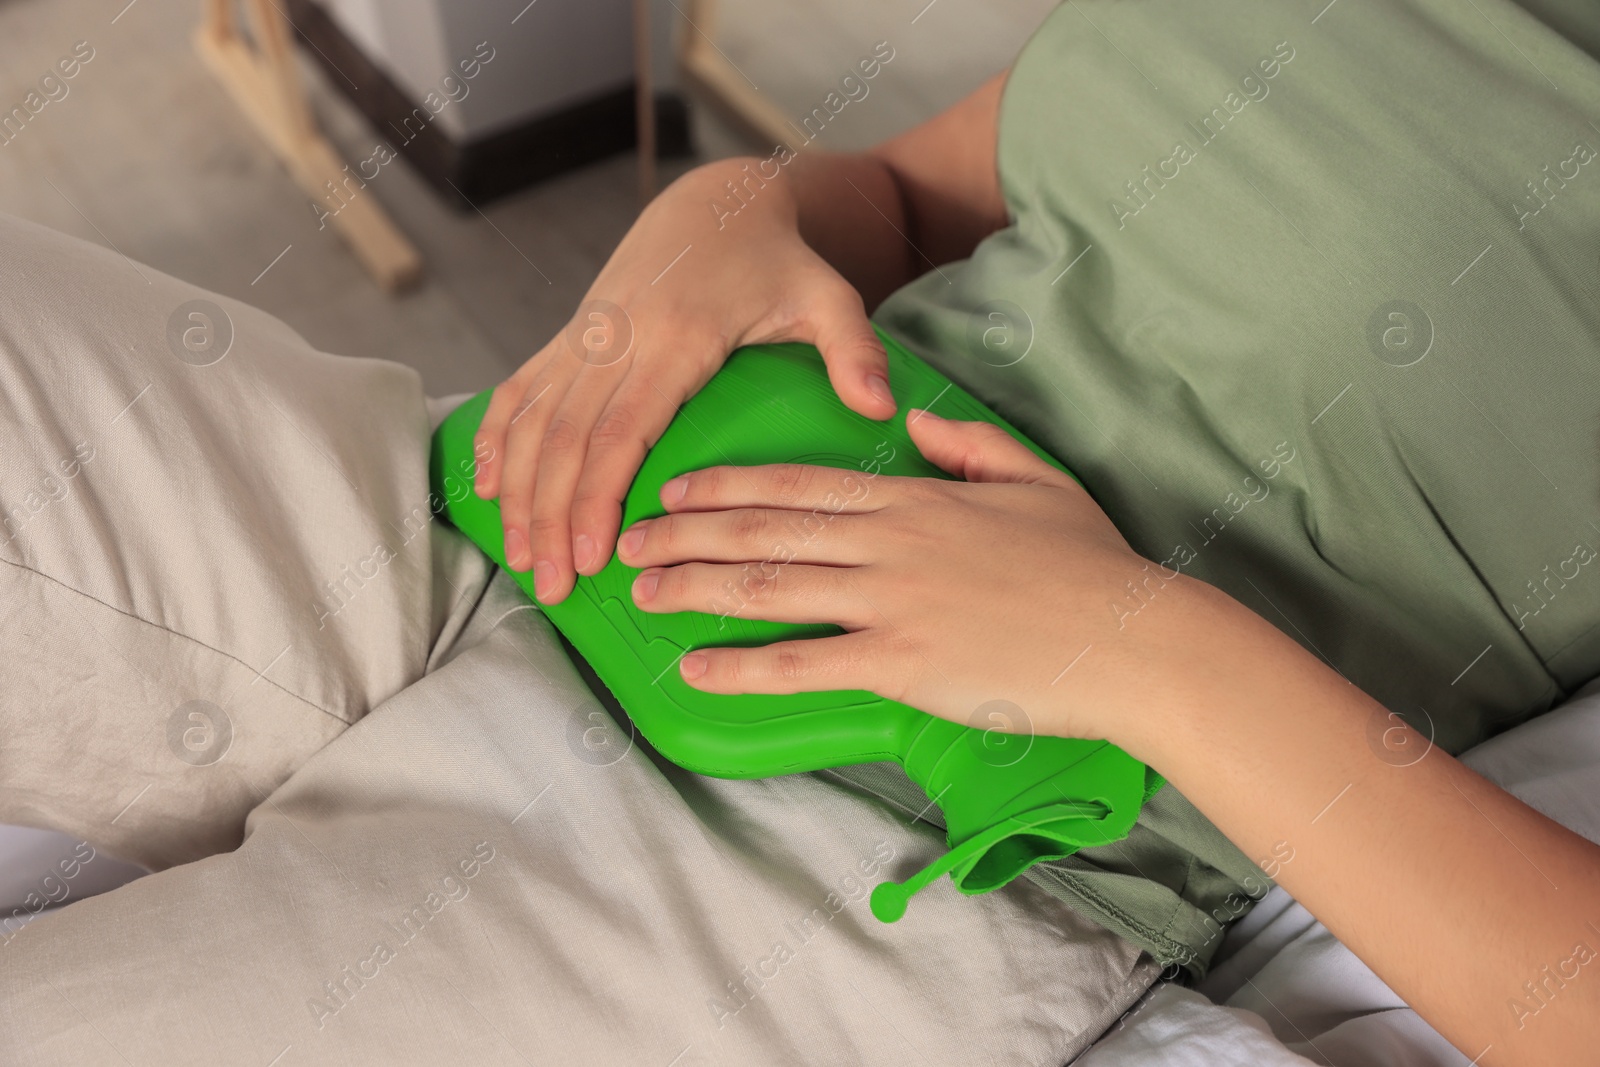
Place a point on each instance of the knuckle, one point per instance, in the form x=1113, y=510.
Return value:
x=616, y=428
x=562, y=436
x=748, y=527
x=547, y=529
x=679, y=583
x=708, y=483
x=789, y=663
x=789, y=482
x=992, y=439
x=663, y=534
x=863, y=345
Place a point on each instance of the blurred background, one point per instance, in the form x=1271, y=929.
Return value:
x=513, y=186
x=494, y=140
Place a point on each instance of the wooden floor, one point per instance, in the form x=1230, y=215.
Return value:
x=146, y=154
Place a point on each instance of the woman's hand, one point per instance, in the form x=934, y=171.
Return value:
x=953, y=593
x=568, y=431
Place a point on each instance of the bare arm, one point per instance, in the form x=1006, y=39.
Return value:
x=919, y=200
x=1483, y=914
x=1477, y=910
x=1480, y=912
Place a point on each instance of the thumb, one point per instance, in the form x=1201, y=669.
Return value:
x=858, y=367
x=980, y=452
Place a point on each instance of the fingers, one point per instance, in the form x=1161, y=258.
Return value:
x=529, y=418
x=749, y=534
x=980, y=452
x=787, y=486
x=858, y=367
x=843, y=662
x=788, y=593
x=510, y=400
x=625, y=432
x=561, y=454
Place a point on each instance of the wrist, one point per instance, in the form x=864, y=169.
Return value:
x=1224, y=678
x=736, y=186
x=1185, y=665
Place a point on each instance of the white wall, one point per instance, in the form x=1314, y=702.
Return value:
x=555, y=53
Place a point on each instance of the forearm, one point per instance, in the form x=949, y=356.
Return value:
x=885, y=216
x=848, y=208
x=1452, y=890
x=854, y=215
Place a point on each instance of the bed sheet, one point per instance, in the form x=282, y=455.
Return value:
x=1284, y=991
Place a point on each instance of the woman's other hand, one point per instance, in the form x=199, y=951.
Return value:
x=952, y=593
x=793, y=247
x=687, y=285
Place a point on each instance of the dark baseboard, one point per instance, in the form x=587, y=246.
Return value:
x=474, y=172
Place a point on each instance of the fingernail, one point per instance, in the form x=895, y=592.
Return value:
x=632, y=541
x=544, y=578
x=878, y=386
x=644, y=587
x=924, y=413
x=583, y=551
x=516, y=548
x=673, y=491
x=693, y=665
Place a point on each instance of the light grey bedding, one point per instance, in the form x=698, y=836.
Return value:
x=389, y=822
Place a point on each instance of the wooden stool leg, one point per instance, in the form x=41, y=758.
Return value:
x=714, y=76
x=265, y=84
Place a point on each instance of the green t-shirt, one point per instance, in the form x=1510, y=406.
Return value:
x=1308, y=295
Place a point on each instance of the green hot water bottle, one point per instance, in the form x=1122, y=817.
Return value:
x=1009, y=800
